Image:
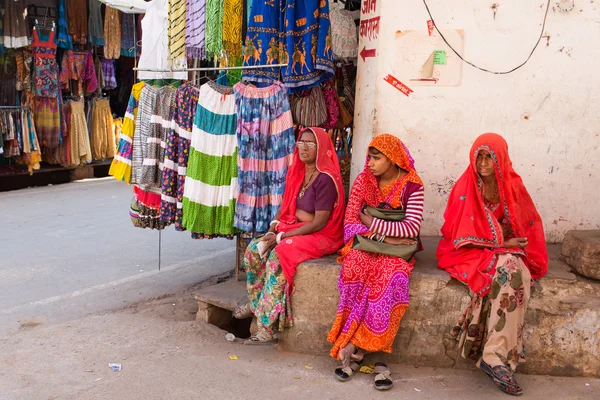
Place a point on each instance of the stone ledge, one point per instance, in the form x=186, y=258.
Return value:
x=562, y=332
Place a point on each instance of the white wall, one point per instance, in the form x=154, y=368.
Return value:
x=548, y=111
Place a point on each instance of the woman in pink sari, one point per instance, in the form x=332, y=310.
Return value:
x=308, y=226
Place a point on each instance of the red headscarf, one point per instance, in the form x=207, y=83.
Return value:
x=469, y=221
x=329, y=239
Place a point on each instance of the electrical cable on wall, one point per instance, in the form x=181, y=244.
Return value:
x=483, y=69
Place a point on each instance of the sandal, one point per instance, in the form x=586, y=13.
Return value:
x=344, y=374
x=383, y=378
x=262, y=337
x=503, y=378
x=243, y=312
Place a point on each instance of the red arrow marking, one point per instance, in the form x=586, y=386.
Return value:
x=368, y=53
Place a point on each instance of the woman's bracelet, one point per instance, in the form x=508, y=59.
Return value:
x=275, y=221
x=269, y=233
x=279, y=237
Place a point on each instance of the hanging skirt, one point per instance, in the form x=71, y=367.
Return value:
x=211, y=181
x=77, y=20
x=78, y=136
x=103, y=138
x=96, y=26
x=266, y=143
x=16, y=29
x=47, y=121
x=112, y=33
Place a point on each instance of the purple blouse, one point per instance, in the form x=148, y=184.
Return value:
x=319, y=196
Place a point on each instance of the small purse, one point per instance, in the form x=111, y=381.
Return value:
x=404, y=251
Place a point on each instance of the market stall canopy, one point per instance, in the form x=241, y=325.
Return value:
x=128, y=6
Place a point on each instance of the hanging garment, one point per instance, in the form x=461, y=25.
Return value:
x=108, y=74
x=146, y=208
x=46, y=68
x=214, y=28
x=128, y=35
x=161, y=122
x=102, y=136
x=263, y=44
x=112, y=33
x=344, y=42
x=95, y=24
x=77, y=20
x=177, y=19
x=232, y=28
x=2, y=47
x=176, y=155
x=79, y=66
x=81, y=152
x=155, y=43
x=99, y=74
x=63, y=38
x=195, y=29
x=266, y=143
x=11, y=142
x=46, y=104
x=211, y=182
x=142, y=131
x=308, y=43
x=15, y=26
x=120, y=167
x=31, y=155
x=300, y=35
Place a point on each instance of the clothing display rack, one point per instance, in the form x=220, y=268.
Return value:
x=212, y=68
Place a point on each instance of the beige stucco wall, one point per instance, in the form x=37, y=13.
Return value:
x=548, y=111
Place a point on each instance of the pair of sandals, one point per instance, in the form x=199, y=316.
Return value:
x=383, y=379
x=502, y=378
x=262, y=337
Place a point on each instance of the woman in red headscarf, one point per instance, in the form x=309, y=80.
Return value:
x=374, y=287
x=493, y=241
x=308, y=226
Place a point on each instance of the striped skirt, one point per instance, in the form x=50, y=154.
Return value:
x=266, y=143
x=211, y=181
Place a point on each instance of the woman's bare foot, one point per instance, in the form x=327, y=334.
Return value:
x=358, y=356
x=346, y=354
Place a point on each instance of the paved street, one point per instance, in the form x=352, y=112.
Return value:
x=70, y=250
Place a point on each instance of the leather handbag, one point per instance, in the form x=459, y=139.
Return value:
x=404, y=251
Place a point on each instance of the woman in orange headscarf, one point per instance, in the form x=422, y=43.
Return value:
x=374, y=287
x=308, y=226
x=493, y=241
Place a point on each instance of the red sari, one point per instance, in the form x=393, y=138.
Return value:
x=294, y=250
x=469, y=221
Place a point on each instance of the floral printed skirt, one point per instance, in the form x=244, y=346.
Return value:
x=267, y=289
x=491, y=327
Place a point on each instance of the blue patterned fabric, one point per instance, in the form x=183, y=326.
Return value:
x=63, y=39
x=266, y=143
x=296, y=32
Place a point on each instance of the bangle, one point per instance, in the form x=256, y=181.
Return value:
x=275, y=221
x=279, y=237
x=269, y=233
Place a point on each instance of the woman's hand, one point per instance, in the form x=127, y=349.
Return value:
x=366, y=218
x=395, y=240
x=520, y=243
x=270, y=241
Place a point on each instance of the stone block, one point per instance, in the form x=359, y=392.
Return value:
x=581, y=250
x=562, y=332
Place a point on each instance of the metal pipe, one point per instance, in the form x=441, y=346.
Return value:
x=211, y=68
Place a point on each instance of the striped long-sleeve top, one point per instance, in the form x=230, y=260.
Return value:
x=411, y=224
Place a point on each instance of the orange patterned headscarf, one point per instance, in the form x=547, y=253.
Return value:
x=398, y=153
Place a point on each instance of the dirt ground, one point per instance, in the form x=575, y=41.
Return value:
x=165, y=354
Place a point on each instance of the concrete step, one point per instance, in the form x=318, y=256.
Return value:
x=216, y=304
